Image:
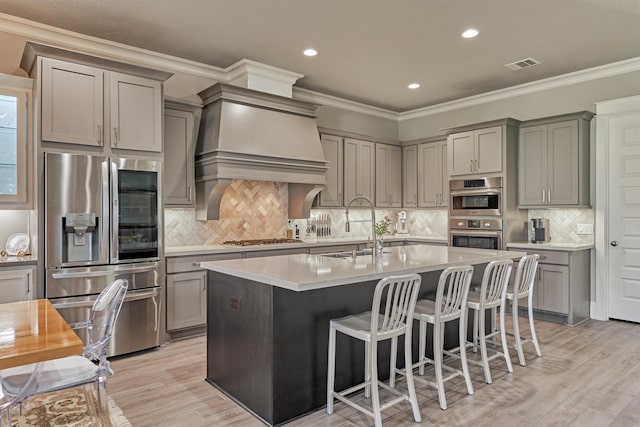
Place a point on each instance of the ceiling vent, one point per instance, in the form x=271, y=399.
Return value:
x=522, y=63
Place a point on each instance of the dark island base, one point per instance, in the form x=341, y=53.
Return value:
x=267, y=346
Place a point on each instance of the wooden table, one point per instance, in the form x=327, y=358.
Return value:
x=33, y=331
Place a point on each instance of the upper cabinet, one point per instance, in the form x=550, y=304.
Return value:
x=74, y=110
x=476, y=151
x=15, y=143
x=181, y=123
x=553, y=161
x=359, y=164
x=95, y=102
x=136, y=113
x=433, y=179
x=388, y=175
x=410, y=176
x=72, y=103
x=331, y=194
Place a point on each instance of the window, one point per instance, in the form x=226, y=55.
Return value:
x=13, y=146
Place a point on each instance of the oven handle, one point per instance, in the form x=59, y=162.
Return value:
x=130, y=296
x=481, y=191
x=475, y=233
x=81, y=274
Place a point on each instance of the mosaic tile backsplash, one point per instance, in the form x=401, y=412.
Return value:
x=257, y=209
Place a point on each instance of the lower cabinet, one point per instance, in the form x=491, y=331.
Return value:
x=562, y=287
x=16, y=285
x=186, y=300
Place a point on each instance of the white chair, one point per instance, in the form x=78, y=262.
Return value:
x=523, y=288
x=451, y=297
x=74, y=371
x=7, y=401
x=400, y=301
x=490, y=296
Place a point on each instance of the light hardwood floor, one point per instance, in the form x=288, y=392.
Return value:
x=589, y=375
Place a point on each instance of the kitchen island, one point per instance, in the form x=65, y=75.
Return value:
x=268, y=321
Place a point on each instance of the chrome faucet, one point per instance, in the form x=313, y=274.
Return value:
x=347, y=226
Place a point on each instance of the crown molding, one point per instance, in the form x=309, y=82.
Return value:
x=107, y=49
x=344, y=104
x=120, y=52
x=589, y=74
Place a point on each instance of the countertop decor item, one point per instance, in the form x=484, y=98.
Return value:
x=18, y=243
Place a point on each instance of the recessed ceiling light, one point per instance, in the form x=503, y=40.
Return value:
x=310, y=52
x=414, y=86
x=470, y=33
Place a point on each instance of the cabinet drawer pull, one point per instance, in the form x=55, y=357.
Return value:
x=99, y=134
x=543, y=194
x=116, y=136
x=548, y=196
x=476, y=165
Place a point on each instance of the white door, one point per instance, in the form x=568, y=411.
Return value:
x=624, y=217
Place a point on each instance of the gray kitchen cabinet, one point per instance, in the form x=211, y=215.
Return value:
x=359, y=167
x=181, y=123
x=388, y=173
x=187, y=290
x=433, y=178
x=561, y=289
x=16, y=284
x=331, y=194
x=72, y=103
x=476, y=151
x=74, y=109
x=410, y=176
x=552, y=288
x=553, y=161
x=136, y=113
x=186, y=300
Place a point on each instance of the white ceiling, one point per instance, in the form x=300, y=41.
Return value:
x=369, y=50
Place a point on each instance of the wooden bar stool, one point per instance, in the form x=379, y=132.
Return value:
x=400, y=301
x=451, y=298
x=523, y=288
x=491, y=295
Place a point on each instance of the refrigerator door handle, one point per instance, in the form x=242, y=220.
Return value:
x=114, y=212
x=141, y=294
x=101, y=273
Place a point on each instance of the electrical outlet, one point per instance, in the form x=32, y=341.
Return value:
x=585, y=228
x=235, y=304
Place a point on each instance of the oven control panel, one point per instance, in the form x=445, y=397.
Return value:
x=475, y=224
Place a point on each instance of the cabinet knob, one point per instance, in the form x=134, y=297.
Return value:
x=461, y=224
x=614, y=243
x=487, y=224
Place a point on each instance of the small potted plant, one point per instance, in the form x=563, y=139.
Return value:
x=381, y=228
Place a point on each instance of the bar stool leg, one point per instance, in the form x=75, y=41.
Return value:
x=331, y=369
x=423, y=346
x=393, y=362
x=516, y=331
x=503, y=338
x=462, y=338
x=367, y=370
x=476, y=337
x=534, y=337
x=373, y=377
x=437, y=358
x=483, y=349
x=413, y=399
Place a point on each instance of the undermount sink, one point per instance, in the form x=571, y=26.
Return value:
x=350, y=254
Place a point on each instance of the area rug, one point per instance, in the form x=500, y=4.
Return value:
x=64, y=408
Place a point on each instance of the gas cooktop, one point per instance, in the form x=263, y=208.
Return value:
x=252, y=242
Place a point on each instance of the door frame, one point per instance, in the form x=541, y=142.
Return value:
x=604, y=111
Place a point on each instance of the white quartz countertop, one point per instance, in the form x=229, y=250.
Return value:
x=175, y=251
x=555, y=246
x=306, y=272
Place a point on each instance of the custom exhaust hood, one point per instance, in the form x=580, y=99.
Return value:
x=252, y=135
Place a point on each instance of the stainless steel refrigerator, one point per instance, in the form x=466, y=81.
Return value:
x=103, y=222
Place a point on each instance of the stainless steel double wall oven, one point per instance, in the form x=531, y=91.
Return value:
x=103, y=222
x=476, y=213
